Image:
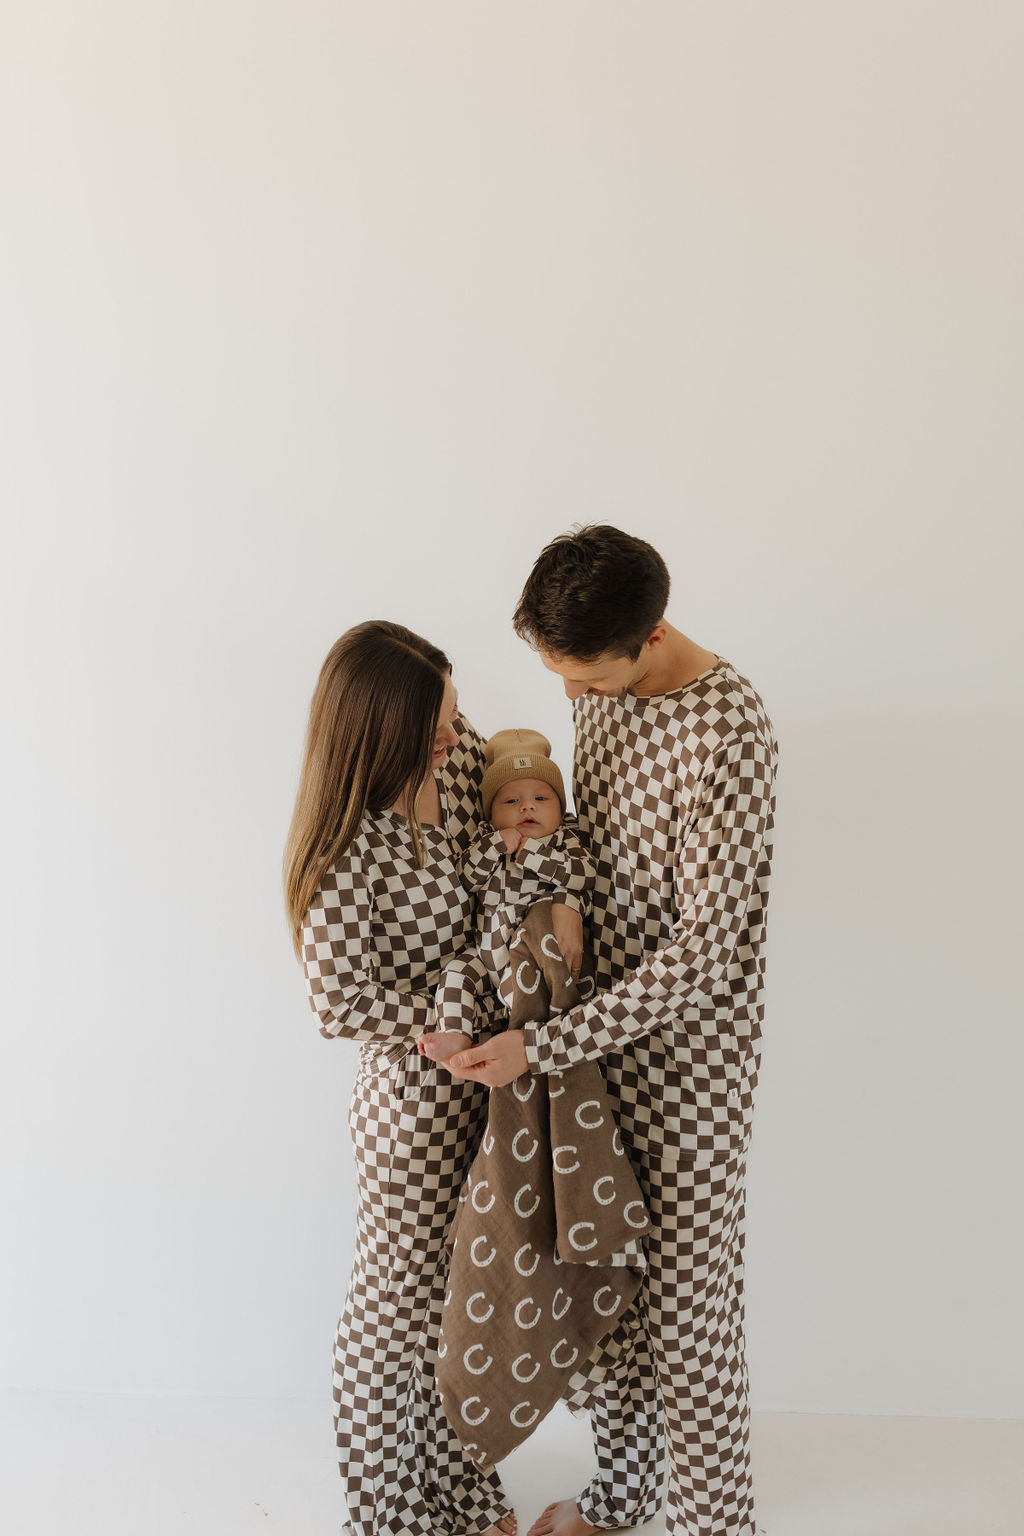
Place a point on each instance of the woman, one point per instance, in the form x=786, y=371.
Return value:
x=388, y=798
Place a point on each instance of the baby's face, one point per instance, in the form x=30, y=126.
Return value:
x=529, y=806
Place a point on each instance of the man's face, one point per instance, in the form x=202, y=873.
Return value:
x=527, y=805
x=608, y=674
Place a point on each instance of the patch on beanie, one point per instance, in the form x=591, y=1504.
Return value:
x=522, y=762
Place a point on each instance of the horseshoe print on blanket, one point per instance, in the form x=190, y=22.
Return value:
x=546, y=1251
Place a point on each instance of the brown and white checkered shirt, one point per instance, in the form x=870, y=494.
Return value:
x=506, y=886
x=380, y=931
x=676, y=797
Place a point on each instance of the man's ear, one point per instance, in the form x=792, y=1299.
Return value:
x=657, y=635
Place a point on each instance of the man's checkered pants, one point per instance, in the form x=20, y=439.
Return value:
x=685, y=1344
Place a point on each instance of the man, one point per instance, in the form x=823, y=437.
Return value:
x=674, y=782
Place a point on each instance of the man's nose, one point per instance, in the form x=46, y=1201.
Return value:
x=574, y=693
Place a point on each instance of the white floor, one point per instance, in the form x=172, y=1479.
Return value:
x=148, y=1466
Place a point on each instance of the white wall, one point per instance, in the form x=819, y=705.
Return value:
x=317, y=312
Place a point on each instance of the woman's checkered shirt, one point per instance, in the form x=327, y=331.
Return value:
x=380, y=931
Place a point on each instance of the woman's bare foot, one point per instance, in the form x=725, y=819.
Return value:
x=508, y=1525
x=561, y=1519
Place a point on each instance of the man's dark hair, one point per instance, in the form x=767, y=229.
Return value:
x=593, y=591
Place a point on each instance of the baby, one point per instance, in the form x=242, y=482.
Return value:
x=527, y=854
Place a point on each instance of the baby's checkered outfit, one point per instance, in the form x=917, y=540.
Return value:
x=556, y=866
x=675, y=795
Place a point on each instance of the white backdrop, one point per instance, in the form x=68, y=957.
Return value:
x=314, y=312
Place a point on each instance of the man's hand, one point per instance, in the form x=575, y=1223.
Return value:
x=494, y=1063
x=567, y=927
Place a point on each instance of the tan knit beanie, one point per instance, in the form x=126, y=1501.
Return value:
x=518, y=755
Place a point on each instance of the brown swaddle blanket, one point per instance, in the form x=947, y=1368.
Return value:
x=545, y=1243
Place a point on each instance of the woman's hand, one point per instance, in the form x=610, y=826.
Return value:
x=567, y=927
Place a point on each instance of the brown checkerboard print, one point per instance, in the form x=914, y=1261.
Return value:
x=676, y=797
x=376, y=941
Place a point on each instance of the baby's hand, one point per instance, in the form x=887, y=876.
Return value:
x=513, y=839
x=442, y=1045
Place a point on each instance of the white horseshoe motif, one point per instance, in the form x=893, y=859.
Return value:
x=643, y=1218
x=442, y=1349
x=554, y=1092
x=468, y=1417
x=448, y=1292
x=586, y=985
x=521, y=1250
x=617, y=1143
x=578, y=1227
x=563, y=1365
x=524, y=1423
x=552, y=954
x=522, y=1097
x=515, y=1369
x=523, y=1157
x=556, y=1154
x=482, y=1209
x=476, y=1370
x=554, y=1306
x=524, y=965
x=589, y=1125
x=488, y=1142
x=469, y=1308
x=606, y=1311
x=607, y=1179
x=519, y=1307
x=519, y=1195
x=481, y=1263
x=463, y=1194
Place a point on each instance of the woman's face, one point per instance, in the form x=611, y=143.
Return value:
x=447, y=735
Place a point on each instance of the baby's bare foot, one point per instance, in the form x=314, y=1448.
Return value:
x=443, y=1045
x=561, y=1519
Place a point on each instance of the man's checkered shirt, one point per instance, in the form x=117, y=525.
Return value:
x=676, y=797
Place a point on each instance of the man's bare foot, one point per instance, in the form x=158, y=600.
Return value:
x=561, y=1519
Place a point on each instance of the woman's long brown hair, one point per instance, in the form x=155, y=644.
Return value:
x=372, y=725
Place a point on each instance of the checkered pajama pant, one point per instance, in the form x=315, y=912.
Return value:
x=415, y=1131
x=465, y=985
x=687, y=1342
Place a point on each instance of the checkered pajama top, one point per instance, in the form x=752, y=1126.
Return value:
x=380, y=931
x=506, y=887
x=675, y=795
